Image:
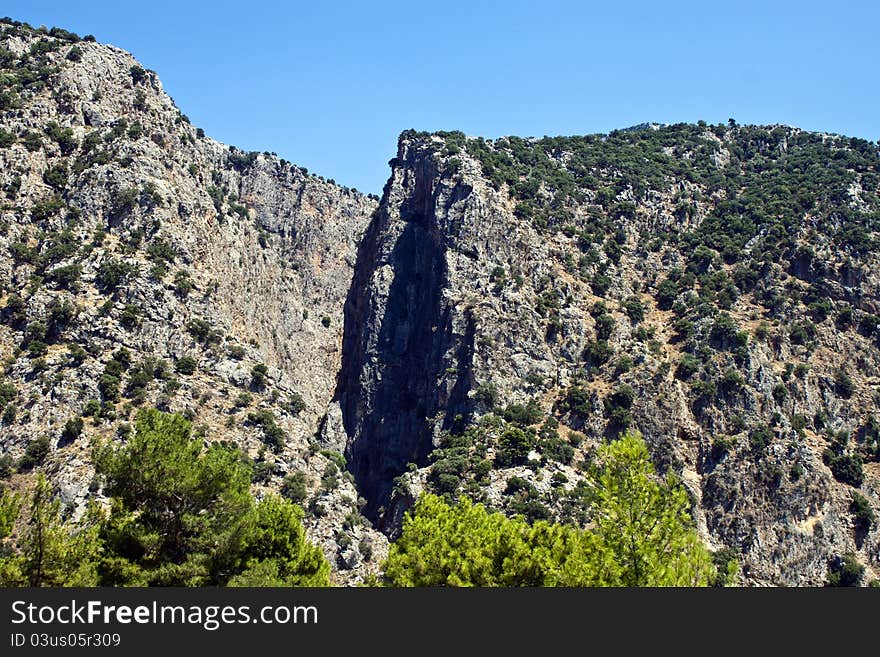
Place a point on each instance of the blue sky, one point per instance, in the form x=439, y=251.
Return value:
x=329, y=86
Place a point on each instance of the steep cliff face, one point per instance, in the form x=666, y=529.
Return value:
x=406, y=348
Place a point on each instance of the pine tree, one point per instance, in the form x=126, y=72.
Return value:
x=10, y=562
x=10, y=506
x=466, y=545
x=274, y=550
x=641, y=534
x=182, y=515
x=51, y=552
x=644, y=521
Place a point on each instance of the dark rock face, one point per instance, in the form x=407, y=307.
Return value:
x=398, y=333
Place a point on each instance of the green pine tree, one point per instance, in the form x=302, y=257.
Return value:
x=641, y=534
x=182, y=515
x=51, y=552
x=10, y=562
x=466, y=545
x=644, y=521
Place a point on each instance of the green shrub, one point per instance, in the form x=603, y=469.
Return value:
x=161, y=250
x=843, y=384
x=56, y=176
x=605, y=324
x=330, y=477
x=199, y=329
x=802, y=332
x=203, y=332
x=725, y=333
x=486, y=394
x=63, y=137
x=7, y=139
x=112, y=273
x=273, y=435
x=140, y=101
x=780, y=393
x=183, y=284
x=262, y=472
x=46, y=208
x=863, y=515
x=577, y=401
x=556, y=449
x=760, y=438
x=138, y=380
x=138, y=74
x=73, y=428
x=634, y=309
x=523, y=415
x=296, y=404
x=66, y=276
x=9, y=414
x=7, y=467
x=846, y=571
x=600, y=283
x=294, y=487
x=7, y=394
x=514, y=446
x=130, y=317
x=846, y=466
x=598, y=353
x=687, y=366
x=92, y=408
x=667, y=293
x=618, y=405
x=186, y=365
x=124, y=201
x=35, y=454
x=259, y=375
x=37, y=348
x=32, y=141
x=108, y=384
x=732, y=380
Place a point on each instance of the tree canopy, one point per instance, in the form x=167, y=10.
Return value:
x=467, y=545
x=181, y=514
x=645, y=521
x=50, y=554
x=640, y=534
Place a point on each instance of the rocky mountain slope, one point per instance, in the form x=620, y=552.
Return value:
x=505, y=308
x=665, y=279
x=146, y=264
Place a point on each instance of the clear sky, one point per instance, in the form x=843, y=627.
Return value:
x=330, y=85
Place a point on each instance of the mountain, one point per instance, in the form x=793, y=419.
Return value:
x=505, y=308
x=162, y=268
